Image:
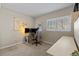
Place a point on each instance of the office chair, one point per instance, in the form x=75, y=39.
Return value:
x=35, y=39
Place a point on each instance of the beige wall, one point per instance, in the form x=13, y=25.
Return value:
x=75, y=15
x=8, y=35
x=52, y=37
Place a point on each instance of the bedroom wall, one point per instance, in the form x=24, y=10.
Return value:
x=50, y=36
x=8, y=35
x=75, y=15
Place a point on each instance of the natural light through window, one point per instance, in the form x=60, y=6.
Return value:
x=59, y=24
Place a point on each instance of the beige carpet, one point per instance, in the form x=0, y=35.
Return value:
x=26, y=50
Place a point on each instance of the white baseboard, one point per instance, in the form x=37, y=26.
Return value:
x=47, y=42
x=9, y=46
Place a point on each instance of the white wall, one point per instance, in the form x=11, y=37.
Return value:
x=8, y=35
x=0, y=5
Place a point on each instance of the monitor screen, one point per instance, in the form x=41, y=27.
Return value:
x=32, y=30
x=26, y=30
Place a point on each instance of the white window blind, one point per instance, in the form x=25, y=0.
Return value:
x=59, y=24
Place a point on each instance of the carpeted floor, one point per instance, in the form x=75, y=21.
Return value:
x=26, y=50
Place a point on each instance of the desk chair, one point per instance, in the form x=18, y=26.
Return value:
x=35, y=39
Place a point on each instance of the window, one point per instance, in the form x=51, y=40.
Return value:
x=59, y=24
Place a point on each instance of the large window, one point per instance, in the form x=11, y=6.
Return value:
x=59, y=24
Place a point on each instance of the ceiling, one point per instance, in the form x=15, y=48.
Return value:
x=35, y=9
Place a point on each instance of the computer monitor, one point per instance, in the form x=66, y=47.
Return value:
x=32, y=30
x=27, y=30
